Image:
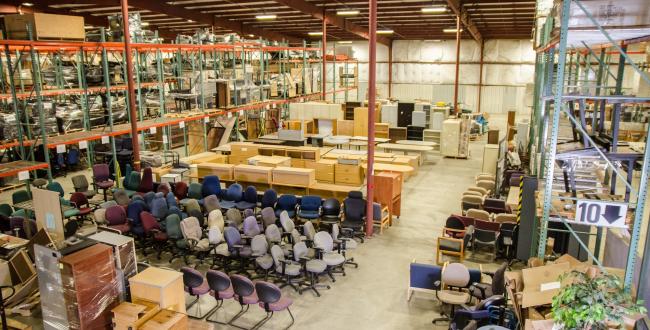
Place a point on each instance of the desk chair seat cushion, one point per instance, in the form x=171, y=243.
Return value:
x=104, y=184
x=316, y=266
x=477, y=290
x=123, y=228
x=250, y=299
x=225, y=294
x=280, y=305
x=306, y=214
x=244, y=205
x=453, y=297
x=70, y=213
x=448, y=245
x=265, y=261
x=333, y=258
x=290, y=269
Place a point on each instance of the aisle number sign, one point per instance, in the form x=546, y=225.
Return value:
x=601, y=213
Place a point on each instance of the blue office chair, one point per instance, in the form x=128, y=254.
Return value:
x=73, y=158
x=233, y=196
x=269, y=199
x=250, y=199
x=211, y=186
x=310, y=207
x=286, y=203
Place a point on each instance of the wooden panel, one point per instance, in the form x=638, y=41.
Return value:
x=396, y=134
x=324, y=170
x=47, y=208
x=269, y=161
x=360, y=121
x=381, y=130
x=128, y=316
x=205, y=157
x=45, y=26
x=223, y=171
x=252, y=173
x=303, y=177
x=345, y=127
x=348, y=174
x=162, y=286
x=167, y=320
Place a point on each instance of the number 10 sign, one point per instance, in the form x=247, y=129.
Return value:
x=601, y=214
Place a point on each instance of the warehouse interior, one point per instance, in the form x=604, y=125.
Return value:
x=311, y=164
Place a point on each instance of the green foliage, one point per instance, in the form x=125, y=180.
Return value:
x=590, y=303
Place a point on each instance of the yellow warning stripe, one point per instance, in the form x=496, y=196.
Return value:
x=521, y=194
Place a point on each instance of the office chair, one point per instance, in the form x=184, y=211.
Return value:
x=101, y=178
x=454, y=275
x=309, y=207
x=117, y=220
x=269, y=198
x=354, y=215
x=215, y=219
x=250, y=227
x=237, y=248
x=211, y=186
x=153, y=235
x=288, y=271
x=331, y=211
x=195, y=285
x=286, y=203
x=486, y=233
x=234, y=218
x=505, y=217
x=211, y=203
x=311, y=267
x=249, y=200
x=493, y=205
x=470, y=202
x=80, y=184
x=268, y=217
x=180, y=190
x=221, y=287
x=482, y=291
x=324, y=246
x=244, y=294
x=478, y=214
x=232, y=196
x=263, y=260
x=272, y=300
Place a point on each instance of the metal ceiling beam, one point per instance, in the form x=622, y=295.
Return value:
x=458, y=9
x=317, y=12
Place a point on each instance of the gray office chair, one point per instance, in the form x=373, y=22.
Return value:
x=453, y=276
x=311, y=267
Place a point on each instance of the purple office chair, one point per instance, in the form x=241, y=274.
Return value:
x=101, y=178
x=221, y=287
x=117, y=220
x=250, y=227
x=196, y=285
x=272, y=301
x=244, y=294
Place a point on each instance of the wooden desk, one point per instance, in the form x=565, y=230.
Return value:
x=365, y=139
x=270, y=161
x=417, y=143
x=390, y=168
x=326, y=190
x=513, y=199
x=162, y=286
x=406, y=148
x=267, y=141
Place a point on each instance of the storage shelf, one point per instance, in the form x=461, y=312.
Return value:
x=75, y=91
x=13, y=168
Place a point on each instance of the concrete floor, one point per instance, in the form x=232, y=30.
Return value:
x=374, y=295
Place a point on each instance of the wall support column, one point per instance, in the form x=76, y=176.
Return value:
x=390, y=69
x=480, y=78
x=130, y=85
x=456, y=109
x=372, y=94
x=324, y=50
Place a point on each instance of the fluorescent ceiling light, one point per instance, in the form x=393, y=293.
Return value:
x=432, y=10
x=264, y=17
x=27, y=4
x=344, y=42
x=144, y=24
x=251, y=36
x=347, y=12
x=190, y=21
x=385, y=31
x=315, y=33
x=453, y=30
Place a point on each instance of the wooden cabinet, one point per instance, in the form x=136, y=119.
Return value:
x=303, y=177
x=324, y=170
x=381, y=130
x=348, y=174
x=90, y=287
x=360, y=121
x=396, y=134
x=125, y=257
x=162, y=286
x=252, y=173
x=388, y=191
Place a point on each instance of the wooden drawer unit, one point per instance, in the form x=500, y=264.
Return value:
x=299, y=163
x=388, y=191
x=381, y=130
x=204, y=157
x=348, y=174
x=162, y=286
x=129, y=316
x=303, y=177
x=396, y=134
x=223, y=171
x=124, y=253
x=324, y=170
x=269, y=161
x=252, y=173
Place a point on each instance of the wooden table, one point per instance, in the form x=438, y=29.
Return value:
x=365, y=139
x=357, y=144
x=417, y=143
x=29, y=206
x=390, y=168
x=326, y=190
x=405, y=148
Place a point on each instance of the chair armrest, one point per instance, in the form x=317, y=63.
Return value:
x=238, y=246
x=129, y=220
x=437, y=285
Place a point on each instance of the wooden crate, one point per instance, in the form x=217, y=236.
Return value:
x=324, y=170
x=243, y=149
x=129, y=316
x=162, y=286
x=252, y=173
x=269, y=161
x=223, y=171
x=303, y=177
x=45, y=27
x=348, y=174
x=299, y=163
x=167, y=320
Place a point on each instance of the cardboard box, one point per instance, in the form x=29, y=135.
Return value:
x=252, y=173
x=45, y=27
x=223, y=171
x=304, y=177
x=540, y=284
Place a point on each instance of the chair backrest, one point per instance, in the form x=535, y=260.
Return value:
x=191, y=228
x=250, y=194
x=267, y=293
x=101, y=172
x=164, y=188
x=473, y=199
x=249, y=213
x=486, y=225
x=171, y=199
x=336, y=231
x=194, y=191
x=211, y=203
x=115, y=215
x=331, y=207
x=146, y=183
x=6, y=210
x=472, y=193
x=287, y=202
x=180, y=190
x=215, y=235
x=377, y=213
x=211, y=186
x=107, y=204
x=483, y=191
x=198, y=215
x=134, y=182
x=55, y=186
x=286, y=222
x=486, y=184
x=310, y=203
x=478, y=214
x=278, y=255
x=79, y=199
x=192, y=278
x=20, y=196
x=485, y=176
x=250, y=227
x=134, y=209
x=269, y=198
x=273, y=234
x=309, y=230
x=232, y=237
x=149, y=222
x=268, y=216
x=300, y=250
x=147, y=197
x=73, y=156
x=323, y=240
x=192, y=205
x=454, y=222
x=173, y=226
x=259, y=245
x=242, y=286
x=215, y=219
x=234, y=192
x=354, y=207
x=456, y=275
x=159, y=207
x=505, y=217
x=234, y=216
x=80, y=183
x=218, y=281
x=121, y=197
x=499, y=280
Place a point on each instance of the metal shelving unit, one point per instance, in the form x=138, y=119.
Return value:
x=573, y=94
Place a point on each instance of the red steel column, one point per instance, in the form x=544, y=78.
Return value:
x=456, y=110
x=480, y=78
x=324, y=73
x=133, y=113
x=390, y=70
x=372, y=94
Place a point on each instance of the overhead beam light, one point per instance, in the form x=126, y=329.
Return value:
x=434, y=10
x=452, y=30
x=27, y=4
x=144, y=24
x=385, y=31
x=347, y=12
x=344, y=42
x=190, y=21
x=266, y=17
x=314, y=34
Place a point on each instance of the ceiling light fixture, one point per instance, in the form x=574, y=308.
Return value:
x=344, y=42
x=190, y=21
x=385, y=31
x=314, y=34
x=266, y=17
x=251, y=36
x=347, y=12
x=452, y=30
x=27, y=4
x=434, y=10
x=144, y=24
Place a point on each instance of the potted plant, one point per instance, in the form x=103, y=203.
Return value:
x=593, y=300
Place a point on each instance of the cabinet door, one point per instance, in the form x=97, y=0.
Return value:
x=404, y=114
